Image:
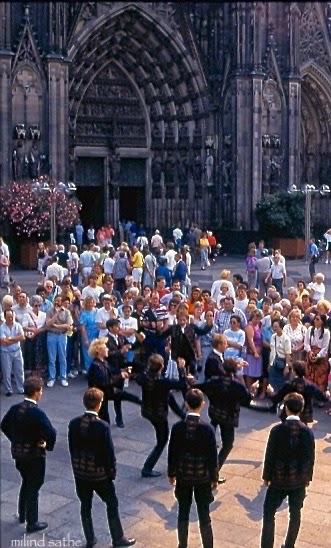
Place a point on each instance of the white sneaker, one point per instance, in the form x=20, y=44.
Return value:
x=50, y=384
x=84, y=372
x=326, y=262
x=71, y=376
x=64, y=382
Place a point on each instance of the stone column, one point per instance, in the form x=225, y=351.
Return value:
x=294, y=97
x=58, y=116
x=6, y=130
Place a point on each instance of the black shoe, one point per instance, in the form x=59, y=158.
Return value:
x=221, y=480
x=8, y=394
x=38, y=526
x=120, y=424
x=21, y=519
x=150, y=474
x=124, y=542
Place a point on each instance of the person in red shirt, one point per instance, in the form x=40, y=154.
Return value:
x=212, y=243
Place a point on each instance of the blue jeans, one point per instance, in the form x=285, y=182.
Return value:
x=57, y=347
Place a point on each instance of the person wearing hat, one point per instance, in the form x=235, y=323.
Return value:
x=110, y=377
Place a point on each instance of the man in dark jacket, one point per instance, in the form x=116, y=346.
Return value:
x=288, y=470
x=183, y=339
x=192, y=468
x=302, y=386
x=215, y=359
x=31, y=435
x=109, y=374
x=226, y=394
x=155, y=401
x=94, y=466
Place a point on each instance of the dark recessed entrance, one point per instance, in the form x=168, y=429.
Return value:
x=90, y=190
x=132, y=203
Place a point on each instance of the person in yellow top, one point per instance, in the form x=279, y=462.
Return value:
x=204, y=250
x=137, y=262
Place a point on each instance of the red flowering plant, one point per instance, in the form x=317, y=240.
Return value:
x=30, y=212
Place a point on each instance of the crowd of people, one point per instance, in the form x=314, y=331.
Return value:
x=132, y=312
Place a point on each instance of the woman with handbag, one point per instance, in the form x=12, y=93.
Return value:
x=280, y=355
x=297, y=332
x=34, y=326
x=317, y=341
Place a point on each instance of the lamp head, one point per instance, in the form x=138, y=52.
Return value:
x=325, y=190
x=292, y=188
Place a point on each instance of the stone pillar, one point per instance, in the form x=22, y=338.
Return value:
x=242, y=111
x=6, y=130
x=58, y=116
x=294, y=97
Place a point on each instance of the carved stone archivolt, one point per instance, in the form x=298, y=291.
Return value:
x=312, y=39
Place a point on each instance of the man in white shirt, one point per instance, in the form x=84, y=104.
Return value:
x=54, y=269
x=108, y=265
x=11, y=335
x=241, y=301
x=86, y=261
x=156, y=241
x=170, y=256
x=92, y=289
x=107, y=312
x=177, y=234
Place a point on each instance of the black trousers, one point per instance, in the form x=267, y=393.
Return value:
x=106, y=491
x=162, y=434
x=273, y=500
x=33, y=475
x=227, y=437
x=203, y=498
x=120, y=396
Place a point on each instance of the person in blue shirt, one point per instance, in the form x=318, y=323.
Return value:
x=313, y=257
x=163, y=271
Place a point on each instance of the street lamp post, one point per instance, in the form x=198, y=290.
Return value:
x=44, y=188
x=308, y=190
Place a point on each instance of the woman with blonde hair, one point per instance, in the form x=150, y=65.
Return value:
x=297, y=332
x=224, y=279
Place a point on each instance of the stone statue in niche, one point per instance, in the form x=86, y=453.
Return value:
x=156, y=169
x=35, y=160
x=20, y=162
x=226, y=168
x=197, y=170
x=72, y=165
x=157, y=191
x=115, y=167
x=170, y=192
x=209, y=166
x=275, y=171
x=170, y=170
x=183, y=192
x=183, y=166
x=198, y=192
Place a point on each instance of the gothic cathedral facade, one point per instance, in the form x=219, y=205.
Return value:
x=168, y=112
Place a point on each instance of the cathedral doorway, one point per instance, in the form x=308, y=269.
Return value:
x=90, y=190
x=132, y=204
